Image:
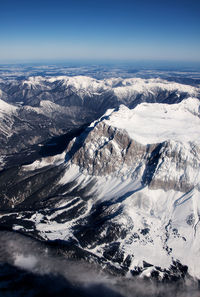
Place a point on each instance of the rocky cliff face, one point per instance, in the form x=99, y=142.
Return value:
x=105, y=150
x=177, y=167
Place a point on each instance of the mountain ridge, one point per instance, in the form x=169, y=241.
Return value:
x=46, y=107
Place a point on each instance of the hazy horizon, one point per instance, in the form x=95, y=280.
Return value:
x=100, y=31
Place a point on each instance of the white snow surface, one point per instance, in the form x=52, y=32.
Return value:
x=171, y=217
x=47, y=108
x=6, y=108
x=6, y=120
x=155, y=122
x=129, y=86
x=122, y=88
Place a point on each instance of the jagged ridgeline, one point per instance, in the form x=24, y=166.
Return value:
x=38, y=108
x=120, y=187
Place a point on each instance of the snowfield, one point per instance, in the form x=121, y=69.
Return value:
x=153, y=123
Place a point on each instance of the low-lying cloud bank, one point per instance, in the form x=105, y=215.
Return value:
x=29, y=268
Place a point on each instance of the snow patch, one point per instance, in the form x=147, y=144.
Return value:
x=154, y=123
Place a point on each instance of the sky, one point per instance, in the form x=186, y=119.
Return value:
x=104, y=30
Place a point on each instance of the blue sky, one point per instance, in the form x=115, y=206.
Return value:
x=99, y=30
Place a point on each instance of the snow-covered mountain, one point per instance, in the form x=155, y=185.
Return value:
x=75, y=90
x=45, y=107
x=125, y=192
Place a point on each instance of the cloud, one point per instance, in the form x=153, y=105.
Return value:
x=54, y=273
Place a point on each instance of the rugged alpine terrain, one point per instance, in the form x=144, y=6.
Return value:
x=36, y=109
x=124, y=190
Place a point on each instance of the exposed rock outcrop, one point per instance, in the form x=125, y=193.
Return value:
x=104, y=150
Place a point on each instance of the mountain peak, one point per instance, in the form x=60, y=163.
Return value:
x=155, y=122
